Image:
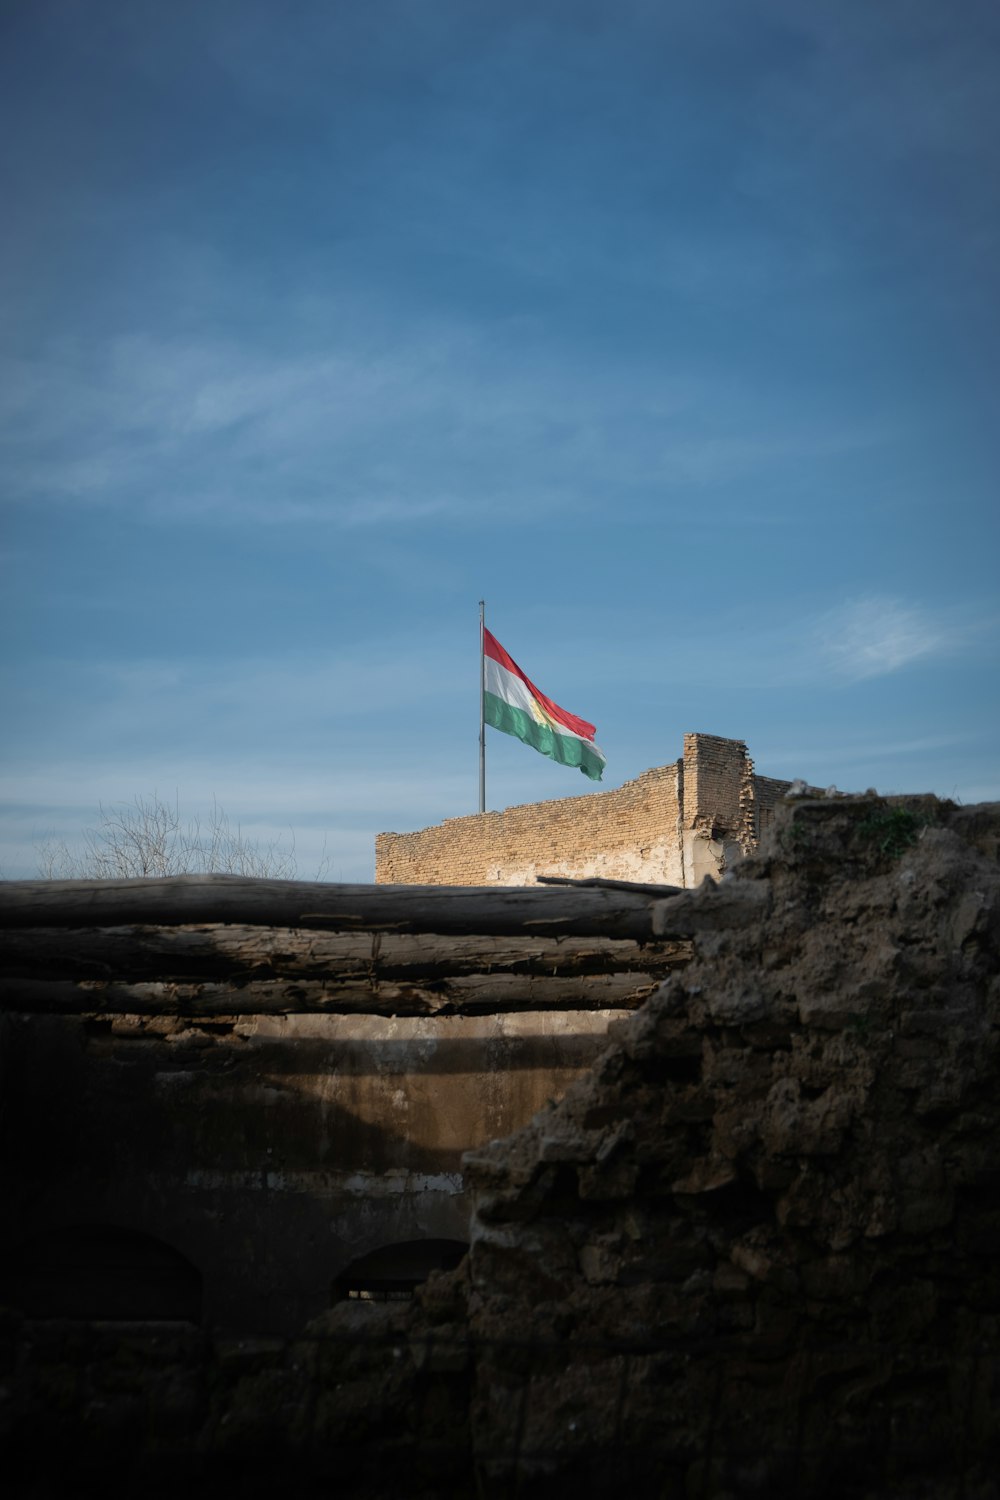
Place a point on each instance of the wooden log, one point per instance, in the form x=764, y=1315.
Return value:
x=479, y=994
x=176, y=900
x=605, y=883
x=239, y=952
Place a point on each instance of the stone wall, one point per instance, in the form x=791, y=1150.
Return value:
x=673, y=825
x=719, y=825
x=628, y=834
x=270, y=1151
x=768, y=794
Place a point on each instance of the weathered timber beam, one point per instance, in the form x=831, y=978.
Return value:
x=176, y=900
x=240, y=953
x=473, y=995
x=604, y=883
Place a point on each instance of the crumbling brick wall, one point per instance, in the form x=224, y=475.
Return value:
x=630, y=834
x=672, y=825
x=713, y=769
x=768, y=793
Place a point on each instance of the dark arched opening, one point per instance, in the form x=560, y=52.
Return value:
x=101, y=1272
x=390, y=1273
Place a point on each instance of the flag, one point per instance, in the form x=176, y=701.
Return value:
x=514, y=705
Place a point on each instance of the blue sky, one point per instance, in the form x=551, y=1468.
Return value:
x=670, y=329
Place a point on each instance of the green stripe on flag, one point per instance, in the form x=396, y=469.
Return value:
x=567, y=749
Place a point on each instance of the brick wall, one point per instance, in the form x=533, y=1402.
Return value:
x=628, y=834
x=769, y=792
x=713, y=773
x=672, y=825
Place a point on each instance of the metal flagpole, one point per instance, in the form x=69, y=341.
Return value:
x=482, y=708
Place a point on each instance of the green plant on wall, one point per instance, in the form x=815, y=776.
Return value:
x=893, y=830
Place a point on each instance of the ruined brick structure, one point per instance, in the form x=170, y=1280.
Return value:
x=672, y=825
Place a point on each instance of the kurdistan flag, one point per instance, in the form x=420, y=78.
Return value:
x=513, y=704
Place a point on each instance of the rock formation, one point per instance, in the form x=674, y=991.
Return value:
x=762, y=1236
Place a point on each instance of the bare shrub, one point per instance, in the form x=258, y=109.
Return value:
x=148, y=836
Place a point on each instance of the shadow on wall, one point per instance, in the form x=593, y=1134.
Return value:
x=391, y=1273
x=133, y=1103
x=99, y=1272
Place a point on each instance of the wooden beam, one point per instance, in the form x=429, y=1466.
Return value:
x=182, y=899
x=480, y=994
x=238, y=952
x=604, y=883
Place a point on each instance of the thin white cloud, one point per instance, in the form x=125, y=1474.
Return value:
x=873, y=637
x=852, y=749
x=447, y=424
x=315, y=688
x=737, y=449
x=791, y=645
x=309, y=794
x=183, y=430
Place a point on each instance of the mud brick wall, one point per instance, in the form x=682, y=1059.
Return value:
x=672, y=825
x=714, y=769
x=628, y=834
x=768, y=793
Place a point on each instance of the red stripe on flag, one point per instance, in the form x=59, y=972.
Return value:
x=493, y=648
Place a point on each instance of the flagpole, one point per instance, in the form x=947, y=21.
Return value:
x=482, y=707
